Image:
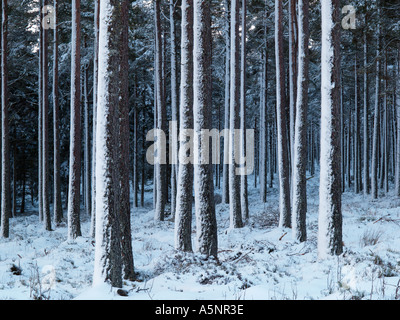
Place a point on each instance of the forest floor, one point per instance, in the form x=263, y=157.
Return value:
x=259, y=261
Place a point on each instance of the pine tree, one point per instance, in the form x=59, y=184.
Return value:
x=206, y=225
x=234, y=115
x=299, y=208
x=283, y=154
x=183, y=214
x=330, y=210
x=5, y=151
x=74, y=227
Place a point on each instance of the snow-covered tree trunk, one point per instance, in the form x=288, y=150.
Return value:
x=366, y=182
x=206, y=224
x=57, y=205
x=299, y=208
x=293, y=45
x=234, y=119
x=124, y=209
x=225, y=169
x=108, y=259
x=330, y=211
x=96, y=23
x=375, y=151
x=86, y=153
x=397, y=167
x=243, y=178
x=45, y=128
x=74, y=228
x=357, y=155
x=160, y=169
x=40, y=107
x=183, y=214
x=283, y=154
x=174, y=105
x=5, y=152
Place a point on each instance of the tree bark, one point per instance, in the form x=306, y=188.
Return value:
x=283, y=151
x=330, y=203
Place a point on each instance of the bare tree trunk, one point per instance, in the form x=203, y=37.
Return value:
x=397, y=167
x=5, y=151
x=225, y=190
x=330, y=203
x=206, y=224
x=375, y=150
x=45, y=130
x=299, y=209
x=243, y=178
x=161, y=120
x=57, y=205
x=366, y=183
x=94, y=125
x=86, y=153
x=183, y=216
x=234, y=113
x=357, y=158
x=283, y=154
x=74, y=228
x=40, y=112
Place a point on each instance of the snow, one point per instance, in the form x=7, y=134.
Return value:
x=260, y=261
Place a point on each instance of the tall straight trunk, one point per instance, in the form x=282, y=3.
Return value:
x=57, y=205
x=263, y=162
x=86, y=153
x=357, y=158
x=225, y=169
x=160, y=168
x=283, y=154
x=243, y=178
x=174, y=105
x=234, y=119
x=110, y=259
x=74, y=227
x=299, y=209
x=124, y=209
x=348, y=150
x=206, y=224
x=293, y=45
x=375, y=150
x=95, y=82
x=385, y=131
x=397, y=108
x=135, y=158
x=183, y=215
x=366, y=182
x=5, y=149
x=40, y=112
x=330, y=202
x=45, y=130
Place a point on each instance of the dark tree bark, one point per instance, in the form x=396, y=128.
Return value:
x=283, y=150
x=5, y=148
x=183, y=216
x=74, y=226
x=330, y=202
x=299, y=209
x=207, y=242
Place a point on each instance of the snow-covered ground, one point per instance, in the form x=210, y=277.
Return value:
x=259, y=261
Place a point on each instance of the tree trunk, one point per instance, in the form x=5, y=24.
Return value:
x=5, y=151
x=183, y=215
x=375, y=150
x=330, y=211
x=160, y=168
x=283, y=151
x=74, y=228
x=234, y=119
x=397, y=168
x=57, y=205
x=243, y=178
x=206, y=224
x=366, y=182
x=299, y=209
